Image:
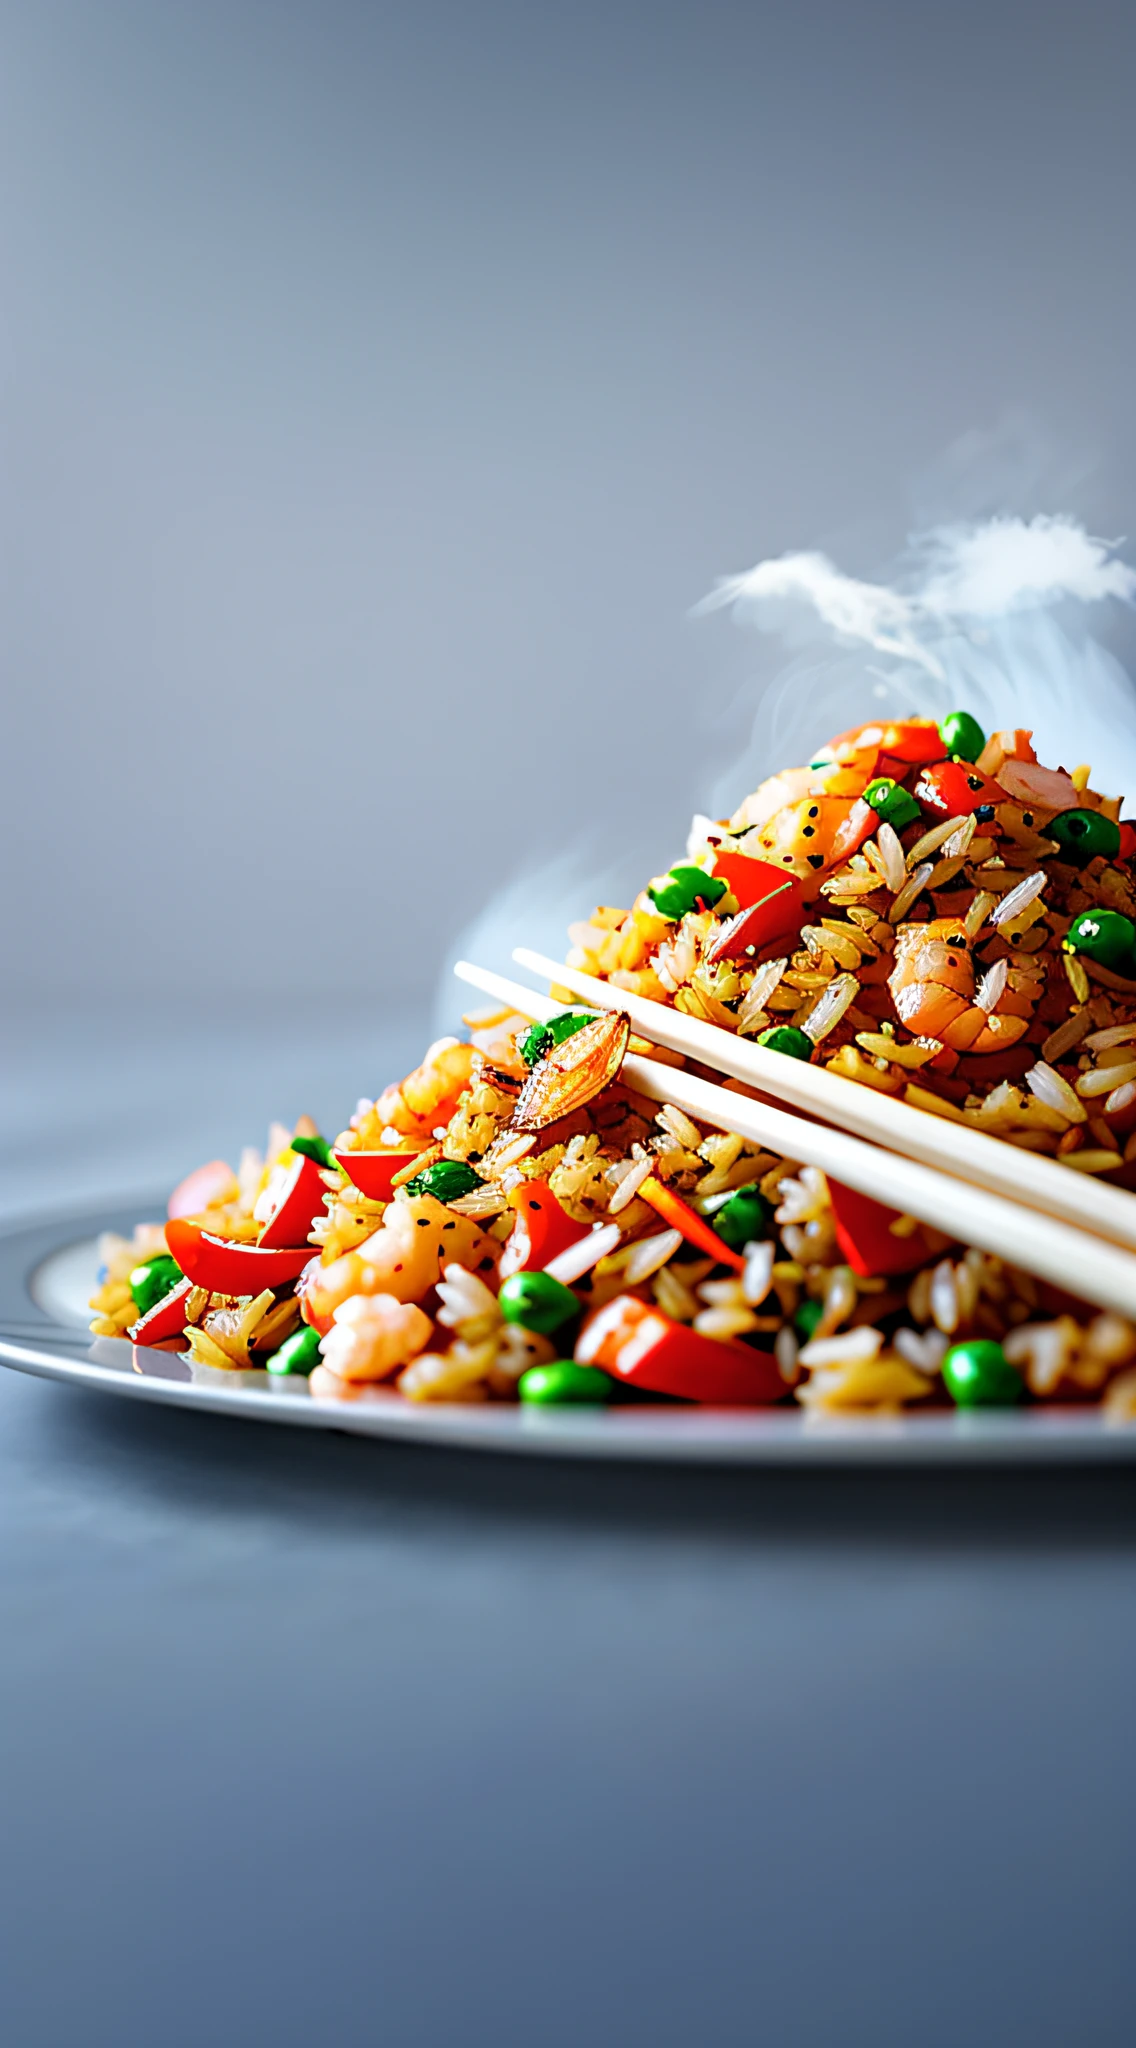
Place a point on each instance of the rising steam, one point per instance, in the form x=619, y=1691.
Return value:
x=987, y=617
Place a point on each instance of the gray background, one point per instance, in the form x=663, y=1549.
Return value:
x=378, y=388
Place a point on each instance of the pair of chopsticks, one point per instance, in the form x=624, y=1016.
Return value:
x=1056, y=1251
x=957, y=1149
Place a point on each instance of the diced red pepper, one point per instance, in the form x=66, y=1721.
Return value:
x=300, y=1203
x=772, y=907
x=166, y=1319
x=694, y=1227
x=913, y=741
x=373, y=1172
x=751, y=880
x=865, y=1236
x=648, y=1349
x=227, y=1268
x=541, y=1232
x=213, y=1183
x=953, y=789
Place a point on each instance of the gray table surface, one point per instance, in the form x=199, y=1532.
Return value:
x=318, y=1740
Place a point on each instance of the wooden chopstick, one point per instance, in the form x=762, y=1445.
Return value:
x=1094, y=1271
x=957, y=1149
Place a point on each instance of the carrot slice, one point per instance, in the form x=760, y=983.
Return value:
x=681, y=1216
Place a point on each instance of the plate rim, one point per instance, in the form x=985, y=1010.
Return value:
x=30, y=1342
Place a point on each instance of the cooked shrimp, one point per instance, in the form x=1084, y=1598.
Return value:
x=404, y=1257
x=933, y=988
x=374, y=1335
x=427, y=1098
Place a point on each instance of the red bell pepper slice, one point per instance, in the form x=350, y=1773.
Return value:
x=226, y=1268
x=541, y=1232
x=751, y=880
x=373, y=1172
x=865, y=1236
x=912, y=741
x=772, y=907
x=694, y=1228
x=953, y=789
x=211, y=1183
x=648, y=1349
x=300, y=1203
x=166, y=1319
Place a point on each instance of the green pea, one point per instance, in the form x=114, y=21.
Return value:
x=979, y=1375
x=1081, y=835
x=153, y=1280
x=806, y=1318
x=537, y=1302
x=299, y=1353
x=1106, y=936
x=962, y=735
x=447, y=1180
x=316, y=1148
x=563, y=1381
x=540, y=1039
x=683, y=888
x=892, y=804
x=787, y=1039
x=742, y=1219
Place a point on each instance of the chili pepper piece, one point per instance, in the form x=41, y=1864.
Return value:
x=953, y=789
x=752, y=881
x=165, y=1319
x=541, y=1232
x=226, y=1268
x=572, y=1074
x=215, y=1182
x=1082, y=835
x=645, y=1348
x=767, y=919
x=300, y=1202
x=373, y=1172
x=865, y=1236
x=694, y=1228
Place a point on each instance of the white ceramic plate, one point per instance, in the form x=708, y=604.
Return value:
x=47, y=1271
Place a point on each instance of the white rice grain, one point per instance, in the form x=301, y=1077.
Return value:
x=992, y=985
x=892, y=861
x=1019, y=898
x=1050, y=1088
x=836, y=998
x=911, y=889
x=649, y=1255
